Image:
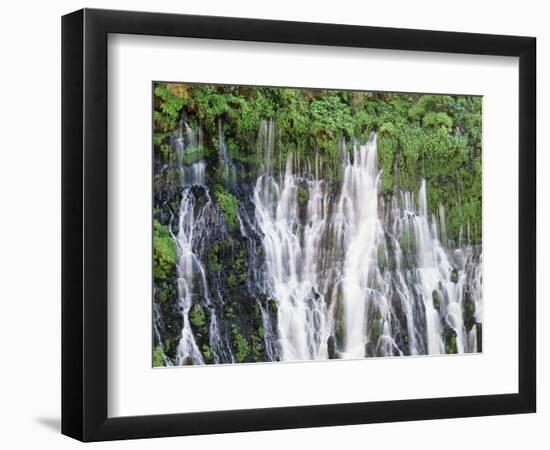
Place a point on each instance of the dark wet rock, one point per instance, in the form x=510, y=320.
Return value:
x=188, y=361
x=331, y=347
x=436, y=298
x=468, y=310
x=479, y=336
x=370, y=349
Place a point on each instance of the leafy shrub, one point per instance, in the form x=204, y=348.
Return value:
x=164, y=252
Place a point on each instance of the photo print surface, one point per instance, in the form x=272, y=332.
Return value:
x=296, y=224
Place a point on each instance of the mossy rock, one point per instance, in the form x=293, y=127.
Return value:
x=454, y=275
x=450, y=340
x=302, y=195
x=272, y=305
x=436, y=298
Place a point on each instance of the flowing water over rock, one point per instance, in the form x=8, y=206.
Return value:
x=317, y=268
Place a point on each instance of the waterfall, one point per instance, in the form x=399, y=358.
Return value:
x=358, y=230
x=333, y=267
x=192, y=283
x=188, y=264
x=408, y=309
x=292, y=253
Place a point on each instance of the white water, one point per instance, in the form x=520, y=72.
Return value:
x=292, y=262
x=187, y=265
x=358, y=230
x=307, y=291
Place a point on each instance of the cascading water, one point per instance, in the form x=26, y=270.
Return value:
x=292, y=258
x=188, y=264
x=192, y=284
x=336, y=269
x=358, y=231
x=378, y=307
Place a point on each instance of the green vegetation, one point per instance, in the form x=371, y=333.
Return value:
x=303, y=195
x=454, y=275
x=229, y=312
x=158, y=357
x=212, y=259
x=197, y=318
x=435, y=137
x=469, y=315
x=229, y=204
x=166, y=109
x=450, y=343
x=232, y=280
x=272, y=305
x=164, y=252
x=167, y=292
x=257, y=347
x=165, y=115
x=206, y=353
x=242, y=349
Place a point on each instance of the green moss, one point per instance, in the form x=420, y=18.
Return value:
x=256, y=347
x=165, y=151
x=242, y=349
x=197, y=317
x=158, y=357
x=232, y=280
x=206, y=353
x=454, y=275
x=170, y=345
x=164, y=252
x=228, y=204
x=212, y=258
x=229, y=312
x=450, y=343
x=193, y=155
x=469, y=316
x=158, y=138
x=167, y=292
x=272, y=305
x=303, y=195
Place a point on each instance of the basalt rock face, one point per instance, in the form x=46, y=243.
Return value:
x=281, y=263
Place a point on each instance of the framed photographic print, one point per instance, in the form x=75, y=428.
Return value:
x=273, y=224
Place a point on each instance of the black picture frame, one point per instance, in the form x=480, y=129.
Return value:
x=84, y=224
